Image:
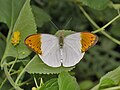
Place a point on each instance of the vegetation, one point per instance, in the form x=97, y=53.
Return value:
x=22, y=69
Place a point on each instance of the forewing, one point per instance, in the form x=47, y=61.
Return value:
x=46, y=46
x=72, y=50
x=50, y=50
x=87, y=40
x=75, y=46
x=34, y=42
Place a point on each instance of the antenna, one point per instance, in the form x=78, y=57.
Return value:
x=68, y=22
x=54, y=25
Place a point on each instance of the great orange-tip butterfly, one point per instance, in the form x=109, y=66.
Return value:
x=61, y=51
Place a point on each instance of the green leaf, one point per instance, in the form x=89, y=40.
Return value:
x=41, y=17
x=107, y=82
x=96, y=4
x=50, y=85
x=9, y=11
x=112, y=78
x=37, y=66
x=86, y=84
x=67, y=82
x=65, y=32
x=25, y=24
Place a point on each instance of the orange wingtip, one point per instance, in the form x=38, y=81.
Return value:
x=87, y=40
x=34, y=42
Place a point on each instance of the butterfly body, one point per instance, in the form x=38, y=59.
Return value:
x=63, y=50
x=61, y=40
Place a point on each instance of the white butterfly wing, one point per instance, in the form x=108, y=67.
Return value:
x=50, y=50
x=72, y=50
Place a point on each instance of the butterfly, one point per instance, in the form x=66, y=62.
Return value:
x=63, y=50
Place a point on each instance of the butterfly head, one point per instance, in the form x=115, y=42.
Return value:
x=61, y=34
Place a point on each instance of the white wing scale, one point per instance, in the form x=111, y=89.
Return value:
x=50, y=50
x=72, y=50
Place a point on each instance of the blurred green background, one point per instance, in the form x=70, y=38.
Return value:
x=54, y=15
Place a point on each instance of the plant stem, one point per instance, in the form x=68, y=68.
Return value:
x=113, y=88
x=13, y=65
x=35, y=82
x=96, y=26
x=3, y=82
x=110, y=37
x=8, y=36
x=23, y=71
x=23, y=83
x=103, y=28
x=8, y=64
x=88, y=17
x=2, y=36
x=41, y=82
x=10, y=78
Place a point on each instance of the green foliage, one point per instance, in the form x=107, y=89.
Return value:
x=86, y=84
x=65, y=81
x=115, y=30
x=66, y=32
x=96, y=4
x=25, y=24
x=10, y=11
x=96, y=58
x=2, y=47
x=40, y=16
x=37, y=66
x=111, y=79
x=48, y=16
x=50, y=85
